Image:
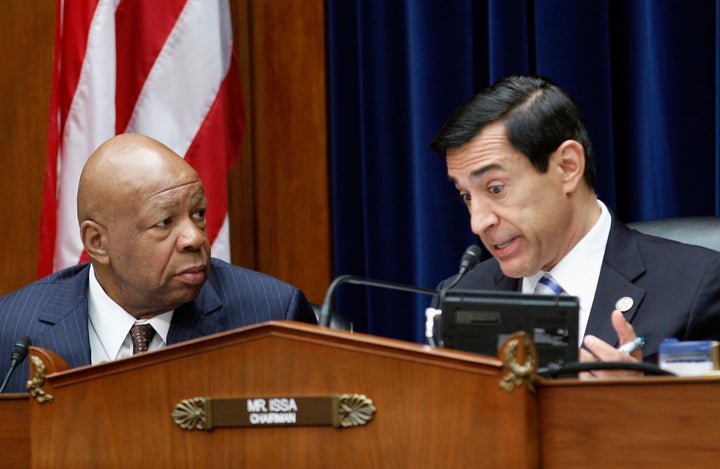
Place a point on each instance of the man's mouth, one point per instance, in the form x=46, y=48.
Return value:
x=505, y=248
x=503, y=244
x=195, y=274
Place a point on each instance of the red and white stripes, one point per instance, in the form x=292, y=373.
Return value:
x=160, y=68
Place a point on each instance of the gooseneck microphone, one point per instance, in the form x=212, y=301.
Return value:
x=19, y=352
x=469, y=259
x=325, y=310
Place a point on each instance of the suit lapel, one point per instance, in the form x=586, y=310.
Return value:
x=198, y=318
x=621, y=267
x=67, y=315
x=504, y=283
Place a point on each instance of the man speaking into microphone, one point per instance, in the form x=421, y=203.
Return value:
x=521, y=159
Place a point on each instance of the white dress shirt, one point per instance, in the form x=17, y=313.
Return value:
x=109, y=326
x=579, y=271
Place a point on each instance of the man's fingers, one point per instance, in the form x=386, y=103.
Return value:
x=623, y=329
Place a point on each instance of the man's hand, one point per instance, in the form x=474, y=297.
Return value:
x=595, y=349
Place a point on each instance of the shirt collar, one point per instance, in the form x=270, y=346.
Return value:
x=584, y=258
x=579, y=270
x=112, y=323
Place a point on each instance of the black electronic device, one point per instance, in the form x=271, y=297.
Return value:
x=480, y=321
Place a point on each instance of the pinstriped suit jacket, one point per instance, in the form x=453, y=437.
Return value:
x=675, y=288
x=53, y=312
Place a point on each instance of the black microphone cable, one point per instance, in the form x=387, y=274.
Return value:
x=557, y=369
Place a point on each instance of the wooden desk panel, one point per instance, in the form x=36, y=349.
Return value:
x=14, y=431
x=644, y=422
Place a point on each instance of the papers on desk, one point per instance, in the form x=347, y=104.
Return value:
x=689, y=358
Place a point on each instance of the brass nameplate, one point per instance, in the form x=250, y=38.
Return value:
x=339, y=410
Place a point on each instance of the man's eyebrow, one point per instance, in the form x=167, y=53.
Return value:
x=199, y=197
x=480, y=171
x=476, y=173
x=169, y=201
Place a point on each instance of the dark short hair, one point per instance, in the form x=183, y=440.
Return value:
x=538, y=116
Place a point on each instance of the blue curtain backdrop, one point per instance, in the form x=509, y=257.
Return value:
x=644, y=71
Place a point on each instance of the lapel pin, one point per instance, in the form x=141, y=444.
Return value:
x=624, y=304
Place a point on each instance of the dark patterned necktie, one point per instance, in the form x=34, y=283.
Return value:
x=142, y=335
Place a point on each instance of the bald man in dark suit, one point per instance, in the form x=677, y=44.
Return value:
x=141, y=210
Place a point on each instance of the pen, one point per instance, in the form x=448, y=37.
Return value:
x=636, y=344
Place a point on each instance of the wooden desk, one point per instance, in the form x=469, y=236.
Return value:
x=644, y=422
x=14, y=431
x=435, y=408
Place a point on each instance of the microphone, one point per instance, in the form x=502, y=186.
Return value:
x=19, y=352
x=325, y=313
x=469, y=259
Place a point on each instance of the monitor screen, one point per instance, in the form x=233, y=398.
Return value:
x=480, y=321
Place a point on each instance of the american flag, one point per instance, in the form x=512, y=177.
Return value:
x=163, y=68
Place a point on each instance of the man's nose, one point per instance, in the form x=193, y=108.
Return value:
x=192, y=236
x=482, y=217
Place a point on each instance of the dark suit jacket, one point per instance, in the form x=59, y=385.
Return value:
x=675, y=288
x=53, y=312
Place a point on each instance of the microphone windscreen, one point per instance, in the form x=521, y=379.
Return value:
x=21, y=348
x=471, y=257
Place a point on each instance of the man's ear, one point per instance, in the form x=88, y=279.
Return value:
x=570, y=158
x=94, y=239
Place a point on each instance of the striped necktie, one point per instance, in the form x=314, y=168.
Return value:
x=548, y=286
